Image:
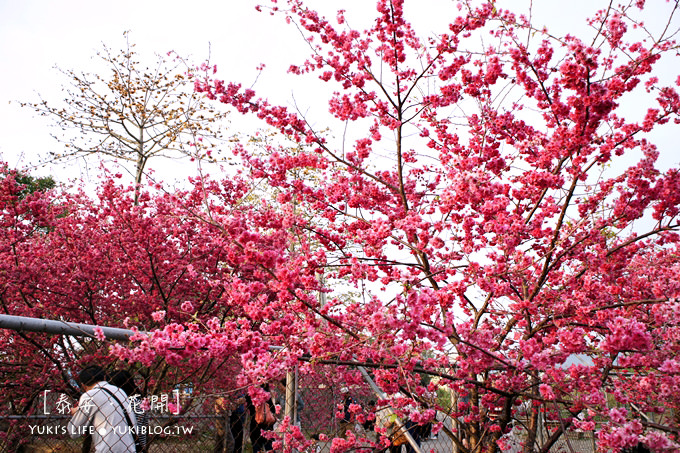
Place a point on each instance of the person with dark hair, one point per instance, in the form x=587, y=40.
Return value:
x=125, y=381
x=369, y=424
x=639, y=448
x=280, y=398
x=257, y=429
x=237, y=422
x=347, y=421
x=416, y=432
x=102, y=412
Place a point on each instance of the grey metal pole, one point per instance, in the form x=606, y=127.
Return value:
x=381, y=395
x=53, y=327
x=296, y=392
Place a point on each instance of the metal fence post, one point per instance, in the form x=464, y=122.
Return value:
x=379, y=393
x=296, y=392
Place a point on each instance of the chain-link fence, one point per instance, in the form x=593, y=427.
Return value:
x=173, y=422
x=326, y=411
x=320, y=405
x=306, y=410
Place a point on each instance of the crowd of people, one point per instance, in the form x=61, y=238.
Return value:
x=241, y=418
x=110, y=417
x=241, y=415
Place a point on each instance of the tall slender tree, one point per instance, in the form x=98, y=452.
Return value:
x=134, y=112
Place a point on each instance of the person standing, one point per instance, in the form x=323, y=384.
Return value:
x=230, y=423
x=237, y=422
x=416, y=432
x=101, y=411
x=125, y=381
x=224, y=438
x=258, y=438
x=347, y=420
x=280, y=398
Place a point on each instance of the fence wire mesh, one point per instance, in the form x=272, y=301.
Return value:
x=322, y=404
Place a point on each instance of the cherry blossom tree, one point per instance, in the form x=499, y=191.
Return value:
x=495, y=213
x=180, y=263
x=489, y=213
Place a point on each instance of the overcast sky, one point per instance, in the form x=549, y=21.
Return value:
x=36, y=35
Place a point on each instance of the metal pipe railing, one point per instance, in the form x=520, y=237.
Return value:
x=54, y=327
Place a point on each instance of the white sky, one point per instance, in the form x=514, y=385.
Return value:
x=36, y=35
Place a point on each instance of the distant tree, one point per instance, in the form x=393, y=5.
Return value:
x=33, y=184
x=134, y=113
x=27, y=184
